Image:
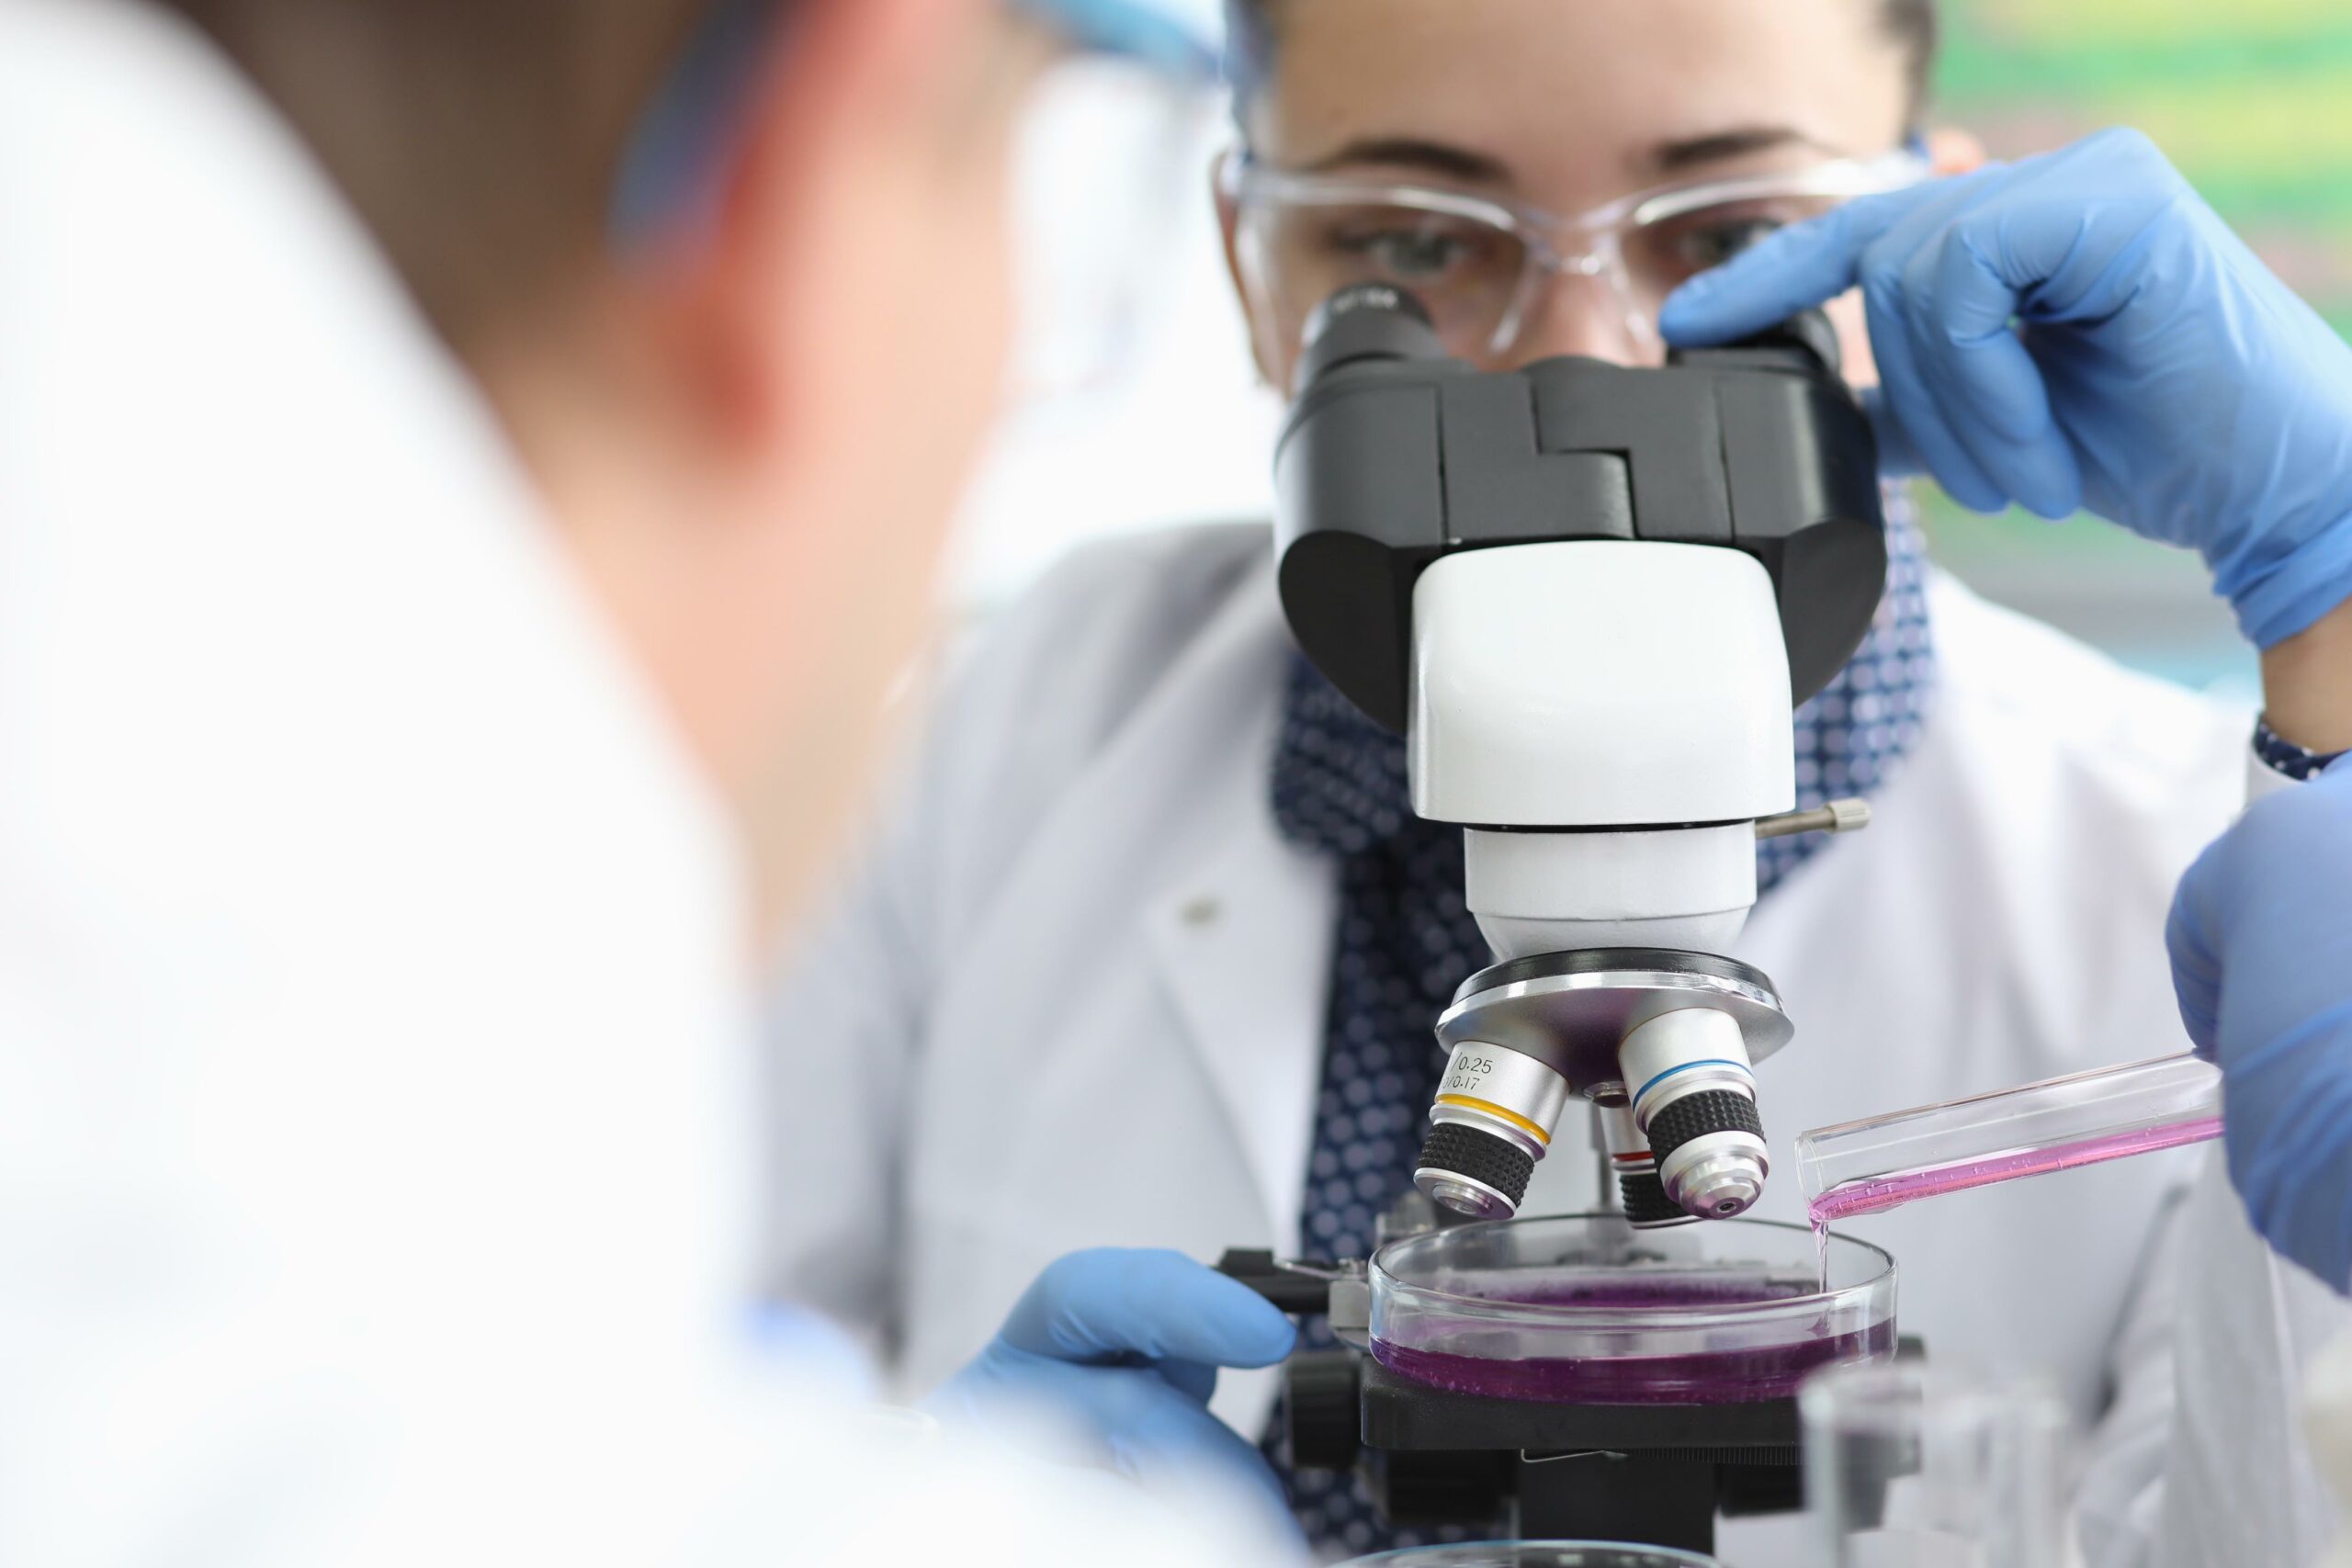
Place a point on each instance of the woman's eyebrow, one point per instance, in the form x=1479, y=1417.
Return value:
x=1412, y=152
x=1717, y=146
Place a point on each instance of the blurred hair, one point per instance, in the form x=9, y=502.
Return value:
x=1911, y=24
x=478, y=139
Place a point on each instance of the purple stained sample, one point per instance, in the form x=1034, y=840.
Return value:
x=1699, y=1376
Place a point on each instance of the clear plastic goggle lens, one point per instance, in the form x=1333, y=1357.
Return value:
x=1472, y=274
x=1489, y=274
x=1467, y=273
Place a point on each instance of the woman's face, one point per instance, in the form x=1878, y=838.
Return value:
x=1565, y=107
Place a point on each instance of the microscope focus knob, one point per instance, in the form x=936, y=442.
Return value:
x=1323, y=1410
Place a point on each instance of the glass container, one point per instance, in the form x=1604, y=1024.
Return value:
x=1585, y=1309
x=1879, y=1162
x=1913, y=1464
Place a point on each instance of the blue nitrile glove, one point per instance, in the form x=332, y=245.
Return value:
x=1128, y=1342
x=2079, y=330
x=2261, y=940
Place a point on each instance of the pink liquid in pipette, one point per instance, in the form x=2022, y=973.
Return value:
x=1875, y=1194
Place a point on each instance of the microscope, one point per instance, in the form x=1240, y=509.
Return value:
x=1592, y=597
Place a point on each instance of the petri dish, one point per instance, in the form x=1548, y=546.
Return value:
x=1584, y=1309
x=1534, y=1554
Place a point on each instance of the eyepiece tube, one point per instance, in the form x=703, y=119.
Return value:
x=1366, y=321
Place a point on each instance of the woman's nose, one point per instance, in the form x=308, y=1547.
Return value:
x=1576, y=314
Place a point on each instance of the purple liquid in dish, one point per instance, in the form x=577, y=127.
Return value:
x=1704, y=1377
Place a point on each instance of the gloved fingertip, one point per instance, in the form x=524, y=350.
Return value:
x=1248, y=1330
x=1685, y=319
x=2053, y=496
x=2039, y=477
x=1971, y=494
x=1163, y=1305
x=1793, y=270
x=1259, y=1339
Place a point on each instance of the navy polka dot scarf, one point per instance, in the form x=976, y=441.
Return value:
x=1405, y=940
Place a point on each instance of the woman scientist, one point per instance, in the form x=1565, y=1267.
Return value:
x=1150, y=950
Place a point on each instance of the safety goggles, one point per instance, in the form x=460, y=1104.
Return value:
x=674, y=163
x=1487, y=268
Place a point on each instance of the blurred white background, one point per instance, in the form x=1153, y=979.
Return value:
x=1135, y=402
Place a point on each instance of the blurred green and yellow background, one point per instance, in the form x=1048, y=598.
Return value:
x=2253, y=100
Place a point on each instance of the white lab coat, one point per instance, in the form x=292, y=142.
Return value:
x=376, y=1141
x=1077, y=996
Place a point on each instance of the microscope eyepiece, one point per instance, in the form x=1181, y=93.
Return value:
x=1366, y=321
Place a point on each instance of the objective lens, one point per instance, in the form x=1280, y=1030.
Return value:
x=1641, y=1193
x=1493, y=1118
x=1694, y=1098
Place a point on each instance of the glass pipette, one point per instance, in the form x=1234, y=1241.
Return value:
x=1879, y=1162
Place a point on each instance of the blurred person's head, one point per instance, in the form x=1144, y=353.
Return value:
x=733, y=278
x=1553, y=110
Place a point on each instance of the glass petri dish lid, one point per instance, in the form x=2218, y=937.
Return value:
x=1534, y=1554
x=1584, y=1309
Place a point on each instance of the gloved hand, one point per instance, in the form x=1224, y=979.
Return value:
x=2261, y=940
x=2079, y=330
x=1128, y=1342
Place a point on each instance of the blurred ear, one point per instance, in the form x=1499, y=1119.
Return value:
x=1951, y=151
x=848, y=130
x=835, y=342
x=1228, y=222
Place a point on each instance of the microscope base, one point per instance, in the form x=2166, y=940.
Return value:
x=1654, y=1474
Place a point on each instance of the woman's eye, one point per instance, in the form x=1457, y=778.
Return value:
x=1712, y=245
x=1408, y=253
